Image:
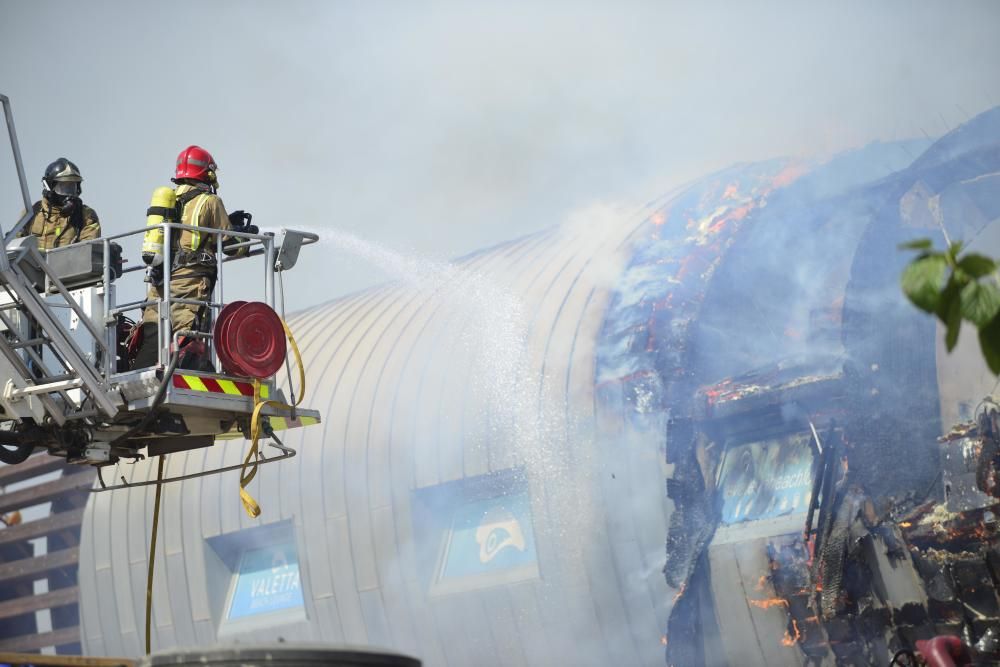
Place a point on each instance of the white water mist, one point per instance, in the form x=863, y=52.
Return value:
x=511, y=407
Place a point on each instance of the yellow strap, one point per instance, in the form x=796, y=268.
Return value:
x=152, y=551
x=250, y=463
x=196, y=222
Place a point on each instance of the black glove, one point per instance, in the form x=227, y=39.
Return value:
x=116, y=260
x=239, y=219
x=154, y=275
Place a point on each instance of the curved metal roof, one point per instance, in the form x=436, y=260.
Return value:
x=397, y=373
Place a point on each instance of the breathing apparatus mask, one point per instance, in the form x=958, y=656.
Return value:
x=61, y=193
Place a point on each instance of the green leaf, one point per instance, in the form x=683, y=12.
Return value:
x=922, y=281
x=989, y=342
x=952, y=252
x=917, y=244
x=980, y=302
x=949, y=297
x=977, y=266
x=960, y=277
x=952, y=323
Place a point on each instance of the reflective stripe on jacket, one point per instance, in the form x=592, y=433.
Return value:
x=204, y=210
x=55, y=227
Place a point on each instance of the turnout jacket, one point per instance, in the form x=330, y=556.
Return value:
x=55, y=227
x=203, y=210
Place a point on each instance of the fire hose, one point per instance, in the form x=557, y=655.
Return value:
x=18, y=444
x=944, y=651
x=12, y=452
x=250, y=463
x=247, y=472
x=941, y=651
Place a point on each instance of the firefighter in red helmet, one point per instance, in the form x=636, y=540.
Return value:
x=192, y=255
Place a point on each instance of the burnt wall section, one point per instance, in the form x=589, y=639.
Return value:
x=890, y=344
x=780, y=292
x=646, y=344
x=645, y=375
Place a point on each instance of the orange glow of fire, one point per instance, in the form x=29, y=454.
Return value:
x=658, y=218
x=732, y=190
x=719, y=390
x=761, y=582
x=733, y=215
x=788, y=175
x=663, y=640
x=770, y=602
x=718, y=226
x=740, y=213
x=680, y=593
x=788, y=639
x=905, y=524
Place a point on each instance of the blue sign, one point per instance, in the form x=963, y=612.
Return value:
x=489, y=536
x=767, y=479
x=268, y=581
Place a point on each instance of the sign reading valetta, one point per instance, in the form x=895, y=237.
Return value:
x=268, y=581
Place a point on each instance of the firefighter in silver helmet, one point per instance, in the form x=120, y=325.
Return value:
x=60, y=217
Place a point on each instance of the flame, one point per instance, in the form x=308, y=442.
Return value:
x=788, y=175
x=680, y=593
x=768, y=603
x=663, y=640
x=788, y=639
x=761, y=582
x=905, y=524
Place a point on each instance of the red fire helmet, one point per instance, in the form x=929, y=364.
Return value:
x=195, y=162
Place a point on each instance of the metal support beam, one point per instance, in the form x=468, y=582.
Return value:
x=22, y=181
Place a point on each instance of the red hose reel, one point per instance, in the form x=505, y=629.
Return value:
x=250, y=340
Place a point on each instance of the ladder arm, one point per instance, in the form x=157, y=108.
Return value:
x=92, y=383
x=22, y=181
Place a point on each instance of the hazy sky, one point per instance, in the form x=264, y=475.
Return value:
x=445, y=127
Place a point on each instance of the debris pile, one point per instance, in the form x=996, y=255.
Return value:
x=793, y=557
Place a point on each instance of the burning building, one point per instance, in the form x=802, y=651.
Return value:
x=802, y=476
x=509, y=442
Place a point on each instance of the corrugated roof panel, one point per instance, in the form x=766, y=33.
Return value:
x=397, y=375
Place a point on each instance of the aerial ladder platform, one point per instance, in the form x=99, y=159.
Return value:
x=66, y=385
